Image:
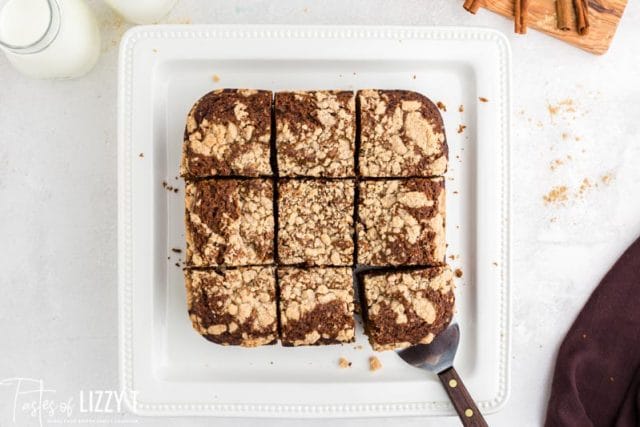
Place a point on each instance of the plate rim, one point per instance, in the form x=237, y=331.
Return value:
x=125, y=280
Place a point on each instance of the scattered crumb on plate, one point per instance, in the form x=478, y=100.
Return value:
x=215, y=78
x=343, y=362
x=441, y=106
x=141, y=155
x=458, y=272
x=461, y=128
x=176, y=250
x=461, y=108
x=374, y=364
x=483, y=99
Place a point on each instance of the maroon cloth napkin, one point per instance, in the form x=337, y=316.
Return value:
x=597, y=376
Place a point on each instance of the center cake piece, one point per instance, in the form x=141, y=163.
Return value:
x=315, y=133
x=401, y=222
x=233, y=306
x=316, y=306
x=315, y=224
x=228, y=133
x=402, y=135
x=229, y=222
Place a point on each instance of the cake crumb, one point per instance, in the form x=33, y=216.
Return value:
x=344, y=362
x=606, y=179
x=215, y=78
x=584, y=186
x=357, y=347
x=495, y=263
x=458, y=272
x=176, y=250
x=441, y=106
x=483, y=99
x=374, y=364
x=414, y=77
x=461, y=108
x=177, y=264
x=141, y=155
x=461, y=128
x=557, y=194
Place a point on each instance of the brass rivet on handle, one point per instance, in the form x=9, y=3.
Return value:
x=468, y=413
x=453, y=383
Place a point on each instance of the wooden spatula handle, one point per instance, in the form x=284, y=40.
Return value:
x=461, y=399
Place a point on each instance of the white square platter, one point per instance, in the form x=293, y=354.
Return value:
x=165, y=367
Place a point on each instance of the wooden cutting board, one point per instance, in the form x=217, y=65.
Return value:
x=604, y=16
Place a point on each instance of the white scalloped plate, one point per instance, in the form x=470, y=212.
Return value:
x=165, y=367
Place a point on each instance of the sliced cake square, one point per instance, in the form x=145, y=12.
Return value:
x=316, y=306
x=315, y=133
x=407, y=308
x=229, y=222
x=228, y=133
x=402, y=135
x=233, y=306
x=401, y=222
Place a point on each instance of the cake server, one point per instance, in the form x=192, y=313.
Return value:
x=438, y=357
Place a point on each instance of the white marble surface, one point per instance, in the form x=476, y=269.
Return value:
x=58, y=198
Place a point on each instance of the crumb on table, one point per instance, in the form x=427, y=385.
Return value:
x=458, y=273
x=483, y=99
x=441, y=106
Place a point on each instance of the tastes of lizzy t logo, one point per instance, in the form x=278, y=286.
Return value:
x=28, y=398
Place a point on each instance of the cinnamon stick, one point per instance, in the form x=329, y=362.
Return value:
x=582, y=16
x=472, y=6
x=517, y=16
x=524, y=16
x=563, y=14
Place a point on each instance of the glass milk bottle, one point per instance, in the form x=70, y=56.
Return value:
x=49, y=39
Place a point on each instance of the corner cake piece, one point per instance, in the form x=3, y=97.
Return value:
x=316, y=222
x=401, y=222
x=229, y=222
x=402, y=135
x=233, y=307
x=316, y=306
x=315, y=133
x=407, y=308
x=228, y=133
